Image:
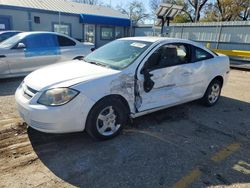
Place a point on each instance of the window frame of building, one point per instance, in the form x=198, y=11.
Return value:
x=62, y=25
x=37, y=19
x=107, y=38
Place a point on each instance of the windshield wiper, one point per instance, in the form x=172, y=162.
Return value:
x=97, y=63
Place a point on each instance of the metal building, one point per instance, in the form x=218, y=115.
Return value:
x=89, y=23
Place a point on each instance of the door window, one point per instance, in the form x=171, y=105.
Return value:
x=64, y=41
x=89, y=33
x=200, y=54
x=168, y=55
x=40, y=41
x=41, y=45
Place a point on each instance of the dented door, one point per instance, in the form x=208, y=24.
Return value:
x=173, y=78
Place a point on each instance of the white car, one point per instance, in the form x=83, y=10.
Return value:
x=26, y=52
x=128, y=77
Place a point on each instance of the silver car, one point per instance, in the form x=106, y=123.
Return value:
x=25, y=52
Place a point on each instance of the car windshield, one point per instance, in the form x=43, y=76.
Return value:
x=8, y=43
x=118, y=54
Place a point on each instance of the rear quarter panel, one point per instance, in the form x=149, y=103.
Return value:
x=70, y=52
x=218, y=66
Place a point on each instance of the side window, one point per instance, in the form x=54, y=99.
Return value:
x=169, y=55
x=64, y=41
x=200, y=54
x=40, y=41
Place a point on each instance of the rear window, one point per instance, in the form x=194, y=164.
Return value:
x=64, y=41
x=200, y=54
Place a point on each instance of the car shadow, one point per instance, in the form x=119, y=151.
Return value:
x=8, y=86
x=160, y=157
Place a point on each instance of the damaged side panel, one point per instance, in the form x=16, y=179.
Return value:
x=126, y=86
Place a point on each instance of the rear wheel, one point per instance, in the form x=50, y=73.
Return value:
x=212, y=94
x=106, y=119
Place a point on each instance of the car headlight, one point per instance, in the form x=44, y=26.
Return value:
x=57, y=96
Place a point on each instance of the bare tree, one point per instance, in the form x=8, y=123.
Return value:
x=245, y=13
x=197, y=6
x=135, y=11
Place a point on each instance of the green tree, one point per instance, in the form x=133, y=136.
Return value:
x=227, y=10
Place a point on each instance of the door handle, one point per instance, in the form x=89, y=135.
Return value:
x=2, y=56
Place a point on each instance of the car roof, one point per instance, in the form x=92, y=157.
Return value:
x=24, y=34
x=164, y=39
x=10, y=31
x=156, y=39
x=37, y=32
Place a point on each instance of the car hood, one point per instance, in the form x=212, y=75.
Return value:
x=65, y=74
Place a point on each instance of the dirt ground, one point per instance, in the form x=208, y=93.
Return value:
x=185, y=146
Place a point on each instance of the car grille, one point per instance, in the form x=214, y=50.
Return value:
x=28, y=92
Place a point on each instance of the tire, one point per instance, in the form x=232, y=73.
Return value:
x=212, y=94
x=106, y=119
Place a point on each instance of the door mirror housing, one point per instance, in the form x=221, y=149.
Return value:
x=20, y=45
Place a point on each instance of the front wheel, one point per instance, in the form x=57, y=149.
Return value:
x=212, y=94
x=106, y=119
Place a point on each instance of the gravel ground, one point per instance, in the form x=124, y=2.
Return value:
x=184, y=146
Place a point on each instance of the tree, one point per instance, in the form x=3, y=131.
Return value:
x=245, y=13
x=196, y=7
x=227, y=10
x=135, y=11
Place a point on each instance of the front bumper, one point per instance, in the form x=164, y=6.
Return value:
x=67, y=118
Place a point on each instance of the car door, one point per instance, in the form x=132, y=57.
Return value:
x=37, y=50
x=68, y=48
x=168, y=77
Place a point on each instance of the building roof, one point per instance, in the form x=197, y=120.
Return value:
x=64, y=6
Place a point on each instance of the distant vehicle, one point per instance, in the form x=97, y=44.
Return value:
x=7, y=34
x=28, y=51
x=125, y=78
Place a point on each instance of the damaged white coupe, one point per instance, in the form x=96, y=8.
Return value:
x=124, y=79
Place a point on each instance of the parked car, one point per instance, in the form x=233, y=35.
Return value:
x=128, y=77
x=25, y=52
x=7, y=34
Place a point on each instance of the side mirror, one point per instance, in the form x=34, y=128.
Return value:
x=20, y=45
